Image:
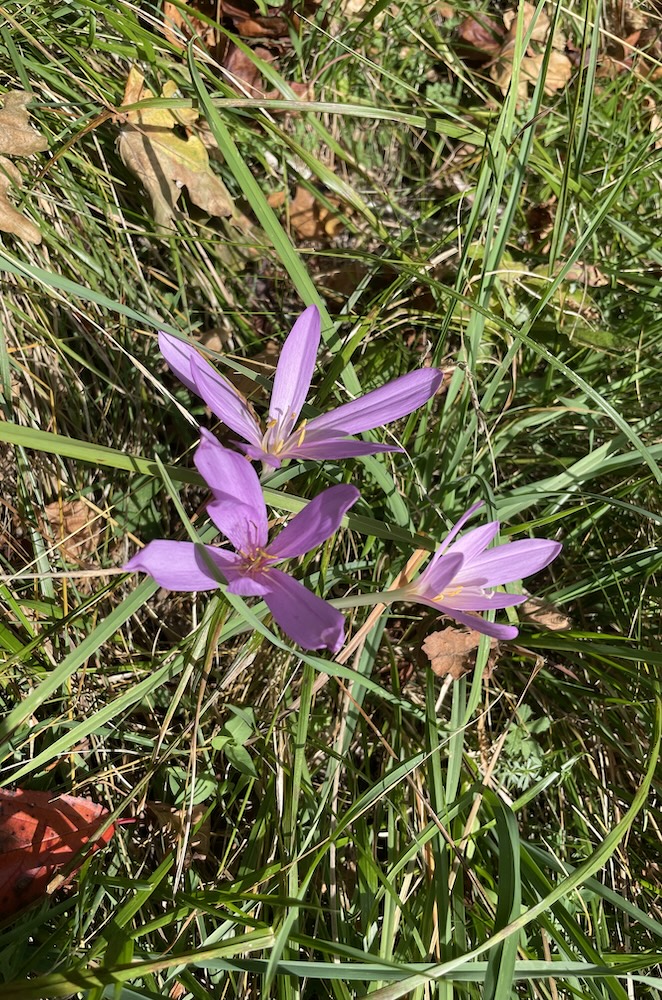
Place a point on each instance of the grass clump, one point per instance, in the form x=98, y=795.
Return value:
x=358, y=825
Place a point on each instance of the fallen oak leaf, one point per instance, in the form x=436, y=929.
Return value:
x=205, y=31
x=71, y=524
x=557, y=75
x=164, y=162
x=303, y=213
x=539, y=26
x=308, y=217
x=39, y=835
x=451, y=651
x=17, y=137
x=11, y=220
x=559, y=66
x=544, y=614
x=480, y=35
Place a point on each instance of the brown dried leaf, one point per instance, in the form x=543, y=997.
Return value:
x=245, y=17
x=11, y=220
x=262, y=27
x=501, y=72
x=179, y=29
x=656, y=129
x=559, y=70
x=309, y=218
x=544, y=614
x=452, y=651
x=540, y=220
x=17, y=137
x=164, y=162
x=586, y=274
x=541, y=27
x=303, y=213
x=172, y=823
x=71, y=524
x=356, y=8
x=481, y=34
x=247, y=76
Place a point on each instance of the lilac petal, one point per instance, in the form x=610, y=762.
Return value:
x=473, y=542
x=180, y=565
x=509, y=562
x=238, y=509
x=294, y=373
x=394, y=400
x=479, y=624
x=333, y=447
x=259, y=454
x=437, y=576
x=178, y=353
x=224, y=401
x=456, y=528
x=315, y=523
x=250, y=584
x=306, y=618
x=477, y=601
x=475, y=622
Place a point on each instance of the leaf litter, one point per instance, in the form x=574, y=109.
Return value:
x=452, y=652
x=17, y=138
x=151, y=148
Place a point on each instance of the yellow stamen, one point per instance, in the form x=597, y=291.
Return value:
x=302, y=433
x=450, y=593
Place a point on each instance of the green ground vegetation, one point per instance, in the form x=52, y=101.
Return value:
x=339, y=829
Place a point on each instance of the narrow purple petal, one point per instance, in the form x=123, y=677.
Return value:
x=390, y=402
x=479, y=624
x=238, y=509
x=473, y=542
x=509, y=562
x=475, y=622
x=224, y=401
x=294, y=373
x=457, y=527
x=470, y=600
x=315, y=523
x=437, y=576
x=332, y=448
x=178, y=353
x=306, y=618
x=180, y=565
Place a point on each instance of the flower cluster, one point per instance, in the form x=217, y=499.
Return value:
x=459, y=579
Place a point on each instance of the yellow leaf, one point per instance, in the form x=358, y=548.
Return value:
x=163, y=161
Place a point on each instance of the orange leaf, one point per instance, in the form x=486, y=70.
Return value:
x=39, y=835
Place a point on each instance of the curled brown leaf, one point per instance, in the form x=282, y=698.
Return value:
x=452, y=651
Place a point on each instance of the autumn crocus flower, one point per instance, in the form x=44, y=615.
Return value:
x=238, y=510
x=459, y=578
x=284, y=437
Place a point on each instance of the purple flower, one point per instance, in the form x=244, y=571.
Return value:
x=326, y=436
x=459, y=578
x=239, y=512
